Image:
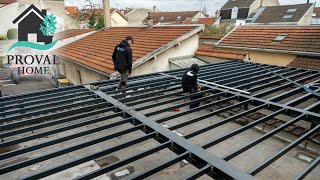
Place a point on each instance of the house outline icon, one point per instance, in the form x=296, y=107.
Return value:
x=29, y=22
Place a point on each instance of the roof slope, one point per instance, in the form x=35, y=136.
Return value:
x=317, y=11
x=4, y=3
x=299, y=38
x=206, y=21
x=172, y=16
x=240, y=3
x=305, y=62
x=96, y=50
x=210, y=51
x=275, y=14
x=71, y=33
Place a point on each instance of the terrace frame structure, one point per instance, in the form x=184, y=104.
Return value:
x=46, y=113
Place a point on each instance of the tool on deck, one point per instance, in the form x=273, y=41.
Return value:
x=294, y=82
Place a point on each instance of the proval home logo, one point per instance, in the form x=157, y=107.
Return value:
x=34, y=21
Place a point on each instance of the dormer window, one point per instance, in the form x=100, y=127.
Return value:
x=291, y=10
x=288, y=16
x=179, y=18
x=161, y=19
x=234, y=13
x=280, y=37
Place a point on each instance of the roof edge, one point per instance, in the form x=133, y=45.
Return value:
x=162, y=49
x=272, y=50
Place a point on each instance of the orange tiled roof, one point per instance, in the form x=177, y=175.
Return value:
x=96, y=50
x=306, y=62
x=211, y=51
x=206, y=21
x=71, y=33
x=298, y=38
x=73, y=11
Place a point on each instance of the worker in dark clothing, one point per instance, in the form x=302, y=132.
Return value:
x=189, y=83
x=122, y=60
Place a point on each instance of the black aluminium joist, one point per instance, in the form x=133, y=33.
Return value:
x=192, y=149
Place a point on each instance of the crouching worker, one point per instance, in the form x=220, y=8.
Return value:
x=189, y=84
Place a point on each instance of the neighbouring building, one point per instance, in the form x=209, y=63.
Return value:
x=207, y=21
x=117, y=18
x=235, y=12
x=209, y=38
x=9, y=9
x=298, y=14
x=174, y=17
x=275, y=45
x=90, y=58
x=136, y=16
x=316, y=16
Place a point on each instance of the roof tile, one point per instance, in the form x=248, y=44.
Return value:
x=299, y=38
x=306, y=62
x=96, y=49
x=207, y=50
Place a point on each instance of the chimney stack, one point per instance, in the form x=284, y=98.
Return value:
x=149, y=20
x=308, y=1
x=107, y=15
x=154, y=8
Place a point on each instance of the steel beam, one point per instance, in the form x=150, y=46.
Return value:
x=307, y=170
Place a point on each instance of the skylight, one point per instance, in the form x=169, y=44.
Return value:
x=288, y=16
x=280, y=38
x=291, y=10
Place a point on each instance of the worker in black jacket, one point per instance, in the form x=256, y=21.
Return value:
x=190, y=83
x=122, y=60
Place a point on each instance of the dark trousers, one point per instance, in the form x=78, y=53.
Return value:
x=192, y=91
x=123, y=80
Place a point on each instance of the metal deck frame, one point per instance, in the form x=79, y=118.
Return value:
x=81, y=102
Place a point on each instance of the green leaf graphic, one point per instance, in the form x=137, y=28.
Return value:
x=48, y=27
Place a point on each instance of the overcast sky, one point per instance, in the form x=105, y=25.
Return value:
x=178, y=5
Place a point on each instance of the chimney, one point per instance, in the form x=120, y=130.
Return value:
x=122, y=11
x=154, y=8
x=149, y=20
x=217, y=14
x=308, y=1
x=107, y=15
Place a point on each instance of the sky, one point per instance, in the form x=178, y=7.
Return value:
x=177, y=5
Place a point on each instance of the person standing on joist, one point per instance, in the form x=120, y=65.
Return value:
x=122, y=60
x=190, y=84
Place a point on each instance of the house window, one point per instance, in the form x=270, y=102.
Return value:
x=161, y=19
x=287, y=16
x=291, y=10
x=280, y=38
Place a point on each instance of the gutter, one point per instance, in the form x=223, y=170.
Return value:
x=161, y=49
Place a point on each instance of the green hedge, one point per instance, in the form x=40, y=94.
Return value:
x=2, y=38
x=12, y=34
